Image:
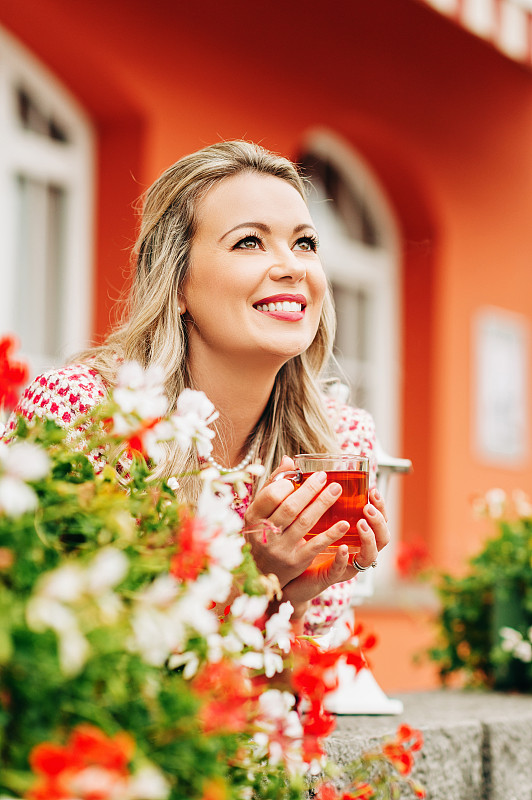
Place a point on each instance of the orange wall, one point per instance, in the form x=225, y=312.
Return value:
x=444, y=121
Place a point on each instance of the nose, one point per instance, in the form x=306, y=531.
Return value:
x=287, y=267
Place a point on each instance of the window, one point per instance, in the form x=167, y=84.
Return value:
x=359, y=252
x=46, y=173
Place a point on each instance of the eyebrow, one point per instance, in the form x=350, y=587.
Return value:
x=266, y=228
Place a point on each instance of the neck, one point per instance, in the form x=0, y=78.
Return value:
x=240, y=394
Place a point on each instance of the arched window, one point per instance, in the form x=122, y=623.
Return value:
x=46, y=177
x=359, y=249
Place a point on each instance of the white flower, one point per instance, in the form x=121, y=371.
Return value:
x=189, y=659
x=510, y=638
x=156, y=634
x=99, y=782
x=216, y=511
x=226, y=551
x=513, y=642
x=173, y=484
x=523, y=651
x=496, y=502
x=148, y=784
x=43, y=612
x=278, y=628
x=522, y=503
x=249, y=607
x=161, y=592
x=73, y=651
x=140, y=391
x=16, y=497
x=24, y=460
x=194, y=413
x=213, y=586
x=66, y=583
x=108, y=568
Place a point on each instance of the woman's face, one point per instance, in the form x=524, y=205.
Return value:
x=255, y=286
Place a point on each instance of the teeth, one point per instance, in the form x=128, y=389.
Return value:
x=286, y=305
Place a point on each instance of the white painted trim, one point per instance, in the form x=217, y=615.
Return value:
x=70, y=166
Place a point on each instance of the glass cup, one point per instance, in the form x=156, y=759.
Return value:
x=352, y=473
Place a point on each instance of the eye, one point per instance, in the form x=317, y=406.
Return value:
x=307, y=244
x=248, y=243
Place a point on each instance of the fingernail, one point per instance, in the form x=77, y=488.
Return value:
x=336, y=489
x=363, y=526
x=343, y=550
x=343, y=527
x=376, y=494
x=371, y=510
x=321, y=477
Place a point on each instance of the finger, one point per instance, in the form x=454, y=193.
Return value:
x=377, y=499
x=285, y=465
x=319, y=542
x=306, y=506
x=378, y=525
x=288, y=511
x=267, y=500
x=339, y=569
x=368, y=546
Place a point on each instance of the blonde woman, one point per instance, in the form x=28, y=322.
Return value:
x=229, y=297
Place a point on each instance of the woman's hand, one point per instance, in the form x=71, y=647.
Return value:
x=279, y=517
x=292, y=513
x=374, y=535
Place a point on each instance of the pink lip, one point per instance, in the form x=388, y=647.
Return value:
x=279, y=298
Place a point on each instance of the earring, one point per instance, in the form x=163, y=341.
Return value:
x=179, y=309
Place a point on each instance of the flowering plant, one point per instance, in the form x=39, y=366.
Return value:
x=485, y=621
x=142, y=654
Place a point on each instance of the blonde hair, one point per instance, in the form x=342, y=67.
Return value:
x=153, y=331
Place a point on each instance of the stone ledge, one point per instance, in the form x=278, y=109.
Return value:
x=478, y=745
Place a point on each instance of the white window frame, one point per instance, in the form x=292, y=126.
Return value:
x=68, y=165
x=376, y=271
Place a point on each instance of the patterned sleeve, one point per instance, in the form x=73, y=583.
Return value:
x=62, y=395
x=355, y=431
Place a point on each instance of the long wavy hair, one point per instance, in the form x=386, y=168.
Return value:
x=152, y=330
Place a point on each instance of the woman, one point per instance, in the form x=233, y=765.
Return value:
x=230, y=298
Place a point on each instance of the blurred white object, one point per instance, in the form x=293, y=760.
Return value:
x=359, y=693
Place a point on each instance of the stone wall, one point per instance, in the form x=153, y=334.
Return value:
x=478, y=745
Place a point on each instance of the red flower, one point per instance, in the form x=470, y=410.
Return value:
x=50, y=759
x=228, y=695
x=93, y=747
x=214, y=789
x=327, y=791
x=192, y=556
x=412, y=558
x=402, y=759
x=13, y=374
x=399, y=751
x=361, y=791
x=407, y=734
x=59, y=768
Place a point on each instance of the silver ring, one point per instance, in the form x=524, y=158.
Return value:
x=362, y=569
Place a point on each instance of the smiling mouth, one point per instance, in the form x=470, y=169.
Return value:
x=285, y=305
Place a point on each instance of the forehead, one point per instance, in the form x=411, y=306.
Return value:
x=251, y=197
